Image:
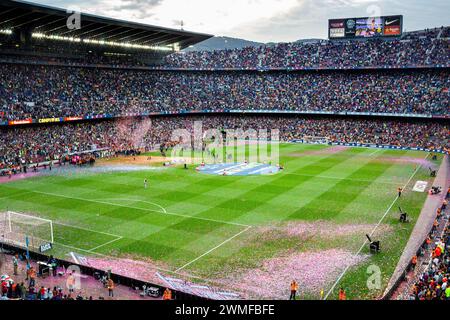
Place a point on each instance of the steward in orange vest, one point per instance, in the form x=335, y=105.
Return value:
x=294, y=288
x=167, y=294
x=342, y=295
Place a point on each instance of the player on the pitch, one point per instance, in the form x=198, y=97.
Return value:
x=145, y=184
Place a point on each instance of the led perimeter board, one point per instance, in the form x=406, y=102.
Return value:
x=368, y=27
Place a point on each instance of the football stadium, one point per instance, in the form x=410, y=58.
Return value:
x=133, y=168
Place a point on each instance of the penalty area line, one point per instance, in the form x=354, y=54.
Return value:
x=143, y=209
x=85, y=229
x=373, y=231
x=105, y=244
x=136, y=200
x=211, y=250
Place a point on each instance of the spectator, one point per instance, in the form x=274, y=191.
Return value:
x=27, y=145
x=71, y=281
x=342, y=294
x=110, y=287
x=15, y=261
x=31, y=275
x=167, y=295
x=432, y=284
x=294, y=288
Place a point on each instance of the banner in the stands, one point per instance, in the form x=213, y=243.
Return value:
x=274, y=111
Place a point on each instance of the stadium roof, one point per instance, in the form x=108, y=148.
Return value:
x=52, y=22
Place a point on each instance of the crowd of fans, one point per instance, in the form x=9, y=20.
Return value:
x=23, y=291
x=28, y=281
x=427, y=47
x=37, y=89
x=24, y=145
x=30, y=91
x=33, y=91
x=31, y=144
x=416, y=49
x=433, y=283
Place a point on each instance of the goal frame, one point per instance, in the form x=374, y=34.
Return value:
x=315, y=140
x=8, y=228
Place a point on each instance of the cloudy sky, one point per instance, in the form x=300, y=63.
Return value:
x=262, y=20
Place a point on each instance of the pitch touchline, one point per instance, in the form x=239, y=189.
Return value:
x=143, y=209
x=373, y=231
x=211, y=250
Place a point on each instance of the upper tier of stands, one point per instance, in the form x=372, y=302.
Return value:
x=39, y=92
x=425, y=48
x=419, y=48
x=39, y=86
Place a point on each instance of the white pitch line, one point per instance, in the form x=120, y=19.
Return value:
x=78, y=249
x=373, y=231
x=105, y=244
x=211, y=250
x=143, y=209
x=376, y=151
x=156, y=267
x=85, y=229
x=137, y=200
x=74, y=258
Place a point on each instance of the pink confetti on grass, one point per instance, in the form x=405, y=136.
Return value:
x=135, y=269
x=327, y=230
x=321, y=229
x=313, y=271
x=408, y=160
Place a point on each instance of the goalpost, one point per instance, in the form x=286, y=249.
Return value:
x=18, y=229
x=315, y=140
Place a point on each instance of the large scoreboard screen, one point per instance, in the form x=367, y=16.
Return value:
x=368, y=27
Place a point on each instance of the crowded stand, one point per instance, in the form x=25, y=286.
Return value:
x=48, y=143
x=33, y=144
x=110, y=60
x=415, y=50
x=433, y=282
x=66, y=102
x=38, y=92
x=432, y=33
x=117, y=88
x=23, y=277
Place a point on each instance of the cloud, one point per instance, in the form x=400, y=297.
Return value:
x=140, y=9
x=262, y=20
x=309, y=18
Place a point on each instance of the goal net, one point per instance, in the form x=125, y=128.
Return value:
x=18, y=229
x=315, y=140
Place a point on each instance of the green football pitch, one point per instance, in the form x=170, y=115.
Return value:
x=245, y=234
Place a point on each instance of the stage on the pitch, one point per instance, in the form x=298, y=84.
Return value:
x=238, y=169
